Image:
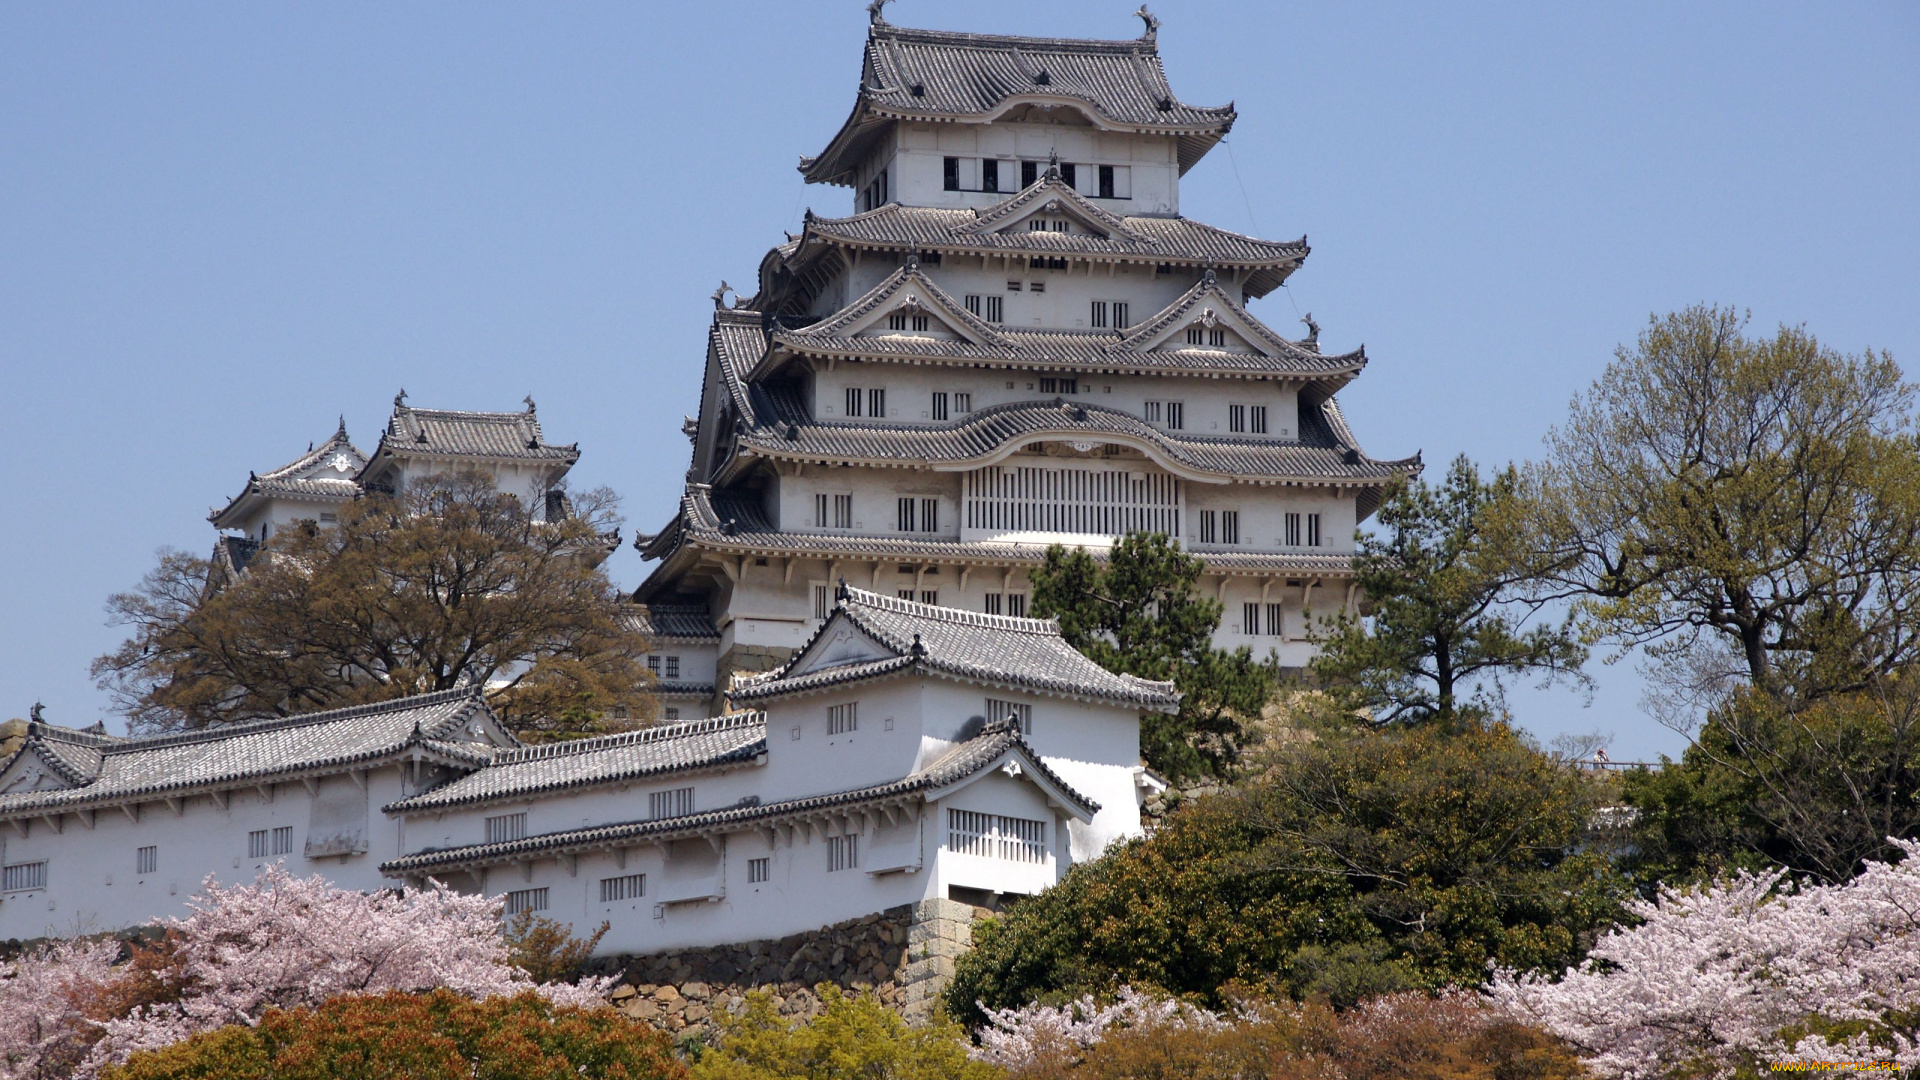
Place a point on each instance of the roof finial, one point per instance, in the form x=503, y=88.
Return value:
x=341, y=432
x=34, y=713
x=400, y=399
x=720, y=295
x=874, y=15
x=919, y=647
x=841, y=593
x=1313, y=328
x=529, y=400
x=913, y=257
x=1053, y=164
x=1153, y=24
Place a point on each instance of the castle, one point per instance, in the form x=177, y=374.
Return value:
x=1015, y=340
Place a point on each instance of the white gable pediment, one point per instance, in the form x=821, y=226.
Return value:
x=1204, y=319
x=1055, y=216
x=841, y=645
x=29, y=772
x=908, y=313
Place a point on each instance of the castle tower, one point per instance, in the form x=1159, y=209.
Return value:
x=1014, y=339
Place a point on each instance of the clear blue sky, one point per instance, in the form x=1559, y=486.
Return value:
x=223, y=225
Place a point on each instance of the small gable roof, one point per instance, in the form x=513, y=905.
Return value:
x=325, y=473
x=486, y=436
x=999, y=650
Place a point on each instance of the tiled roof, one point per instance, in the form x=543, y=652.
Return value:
x=1108, y=351
x=668, y=688
x=73, y=755
x=231, y=554
x=735, y=739
x=287, y=481
x=158, y=766
x=909, y=74
x=999, y=649
x=509, y=436
x=724, y=521
x=986, y=435
x=969, y=757
x=669, y=622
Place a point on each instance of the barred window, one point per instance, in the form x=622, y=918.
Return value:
x=653, y=663
x=673, y=667
x=1017, y=605
x=627, y=887
x=962, y=404
x=1059, y=386
x=18, y=877
x=671, y=803
x=844, y=718
x=1152, y=413
x=257, y=844
x=843, y=853
x=1176, y=416
x=939, y=404
x=907, y=512
x=1209, y=526
x=1257, y=419
x=283, y=840
x=1229, y=526
x=1276, y=620
x=1293, y=530
x=759, y=870
x=1250, y=618
x=996, y=309
x=1120, y=321
x=1097, y=314
x=996, y=836
x=856, y=397
x=1237, y=418
x=521, y=900
x=820, y=511
x=1313, y=530
x=1020, y=710
x=973, y=304
x=992, y=604
x=1195, y=335
x=507, y=827
x=146, y=860
x=843, y=511
x=929, y=515
x=822, y=600
x=930, y=596
x=877, y=403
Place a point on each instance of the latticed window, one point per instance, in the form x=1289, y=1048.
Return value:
x=939, y=404
x=521, y=900
x=1237, y=418
x=146, y=860
x=670, y=803
x=822, y=600
x=1313, y=530
x=876, y=403
x=1019, y=710
x=843, y=853
x=973, y=304
x=1195, y=335
x=1229, y=526
x=1250, y=618
x=1101, y=502
x=1097, y=315
x=843, y=511
x=1276, y=620
x=1059, y=386
x=856, y=398
x=626, y=887
x=759, y=870
x=257, y=844
x=1217, y=338
x=283, y=840
x=996, y=309
x=996, y=836
x=844, y=718
x=1293, y=530
x=1257, y=419
x=506, y=827
x=19, y=877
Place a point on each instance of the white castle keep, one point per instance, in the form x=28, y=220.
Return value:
x=1017, y=340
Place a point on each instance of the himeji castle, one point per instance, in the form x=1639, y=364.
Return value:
x=1015, y=339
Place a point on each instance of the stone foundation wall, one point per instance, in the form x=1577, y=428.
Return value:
x=744, y=660
x=906, y=955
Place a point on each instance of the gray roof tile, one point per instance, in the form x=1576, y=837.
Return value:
x=287, y=481
x=670, y=622
x=738, y=738
x=500, y=436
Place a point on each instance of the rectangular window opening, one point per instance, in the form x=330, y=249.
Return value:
x=843, y=853
x=146, y=860
x=674, y=802
x=842, y=719
x=521, y=900
x=626, y=887
x=505, y=828
x=759, y=870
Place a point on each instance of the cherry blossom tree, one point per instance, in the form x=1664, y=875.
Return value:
x=1741, y=972
x=43, y=1028
x=1017, y=1038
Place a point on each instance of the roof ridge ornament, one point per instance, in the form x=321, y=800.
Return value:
x=1153, y=24
x=919, y=647
x=529, y=400
x=400, y=399
x=876, y=17
x=720, y=295
x=1313, y=331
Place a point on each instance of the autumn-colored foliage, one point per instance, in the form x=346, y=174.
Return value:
x=435, y=1036
x=853, y=1037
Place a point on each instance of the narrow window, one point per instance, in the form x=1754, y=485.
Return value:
x=19, y=877
x=962, y=403
x=146, y=860
x=992, y=604
x=1229, y=526
x=1209, y=527
x=843, y=853
x=257, y=844
x=1013, y=286
x=670, y=713
x=1068, y=174
x=328, y=517
x=995, y=309
x=521, y=900
x=904, y=594
x=1152, y=412
x=1036, y=225
x=939, y=404
x=653, y=663
x=673, y=802
x=1250, y=618
x=897, y=321
x=1038, y=286
x=930, y=597
x=1313, y=530
x=506, y=828
x=973, y=304
x=876, y=403
x=1029, y=172
x=930, y=516
x=1106, y=181
x=673, y=667
x=283, y=840
x=1120, y=321
x=627, y=886
x=854, y=400
x=990, y=175
x=1257, y=419
x=759, y=870
x=950, y=169
x=1217, y=338
x=842, y=719
x=905, y=513
x=1097, y=315
x=820, y=511
x=1293, y=530
x=1176, y=416
x=1276, y=620
x=1194, y=335
x=1059, y=386
x=1018, y=710
x=843, y=511
x=1237, y=418
x=1017, y=605
x=822, y=600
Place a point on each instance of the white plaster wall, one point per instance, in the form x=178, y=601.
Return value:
x=918, y=152
x=997, y=794
x=698, y=662
x=803, y=759
x=91, y=883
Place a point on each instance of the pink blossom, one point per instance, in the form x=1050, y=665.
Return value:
x=1015, y=1038
x=1741, y=972
x=43, y=1029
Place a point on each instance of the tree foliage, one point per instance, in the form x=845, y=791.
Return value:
x=1443, y=617
x=1747, y=508
x=1139, y=615
x=451, y=584
x=433, y=1036
x=1721, y=979
x=851, y=1038
x=1358, y=863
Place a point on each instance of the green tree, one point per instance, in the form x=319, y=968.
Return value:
x=451, y=584
x=435, y=1036
x=1816, y=787
x=1139, y=615
x=1746, y=508
x=1358, y=862
x=1444, y=618
x=852, y=1038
